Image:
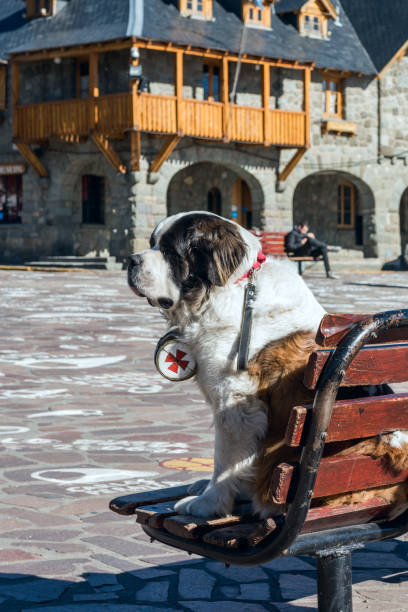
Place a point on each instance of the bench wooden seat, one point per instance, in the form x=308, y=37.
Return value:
x=309, y=525
x=273, y=243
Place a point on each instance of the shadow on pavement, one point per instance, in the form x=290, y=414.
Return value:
x=202, y=585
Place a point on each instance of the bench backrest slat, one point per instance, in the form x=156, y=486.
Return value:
x=373, y=365
x=273, y=243
x=334, y=327
x=354, y=419
x=337, y=475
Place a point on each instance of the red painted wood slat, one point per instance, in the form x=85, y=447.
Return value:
x=352, y=419
x=328, y=517
x=338, y=475
x=374, y=365
x=334, y=327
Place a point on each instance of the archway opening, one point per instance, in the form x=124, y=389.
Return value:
x=214, y=201
x=403, y=213
x=226, y=190
x=340, y=209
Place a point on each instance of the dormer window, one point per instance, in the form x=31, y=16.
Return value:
x=313, y=25
x=312, y=15
x=40, y=8
x=257, y=13
x=201, y=9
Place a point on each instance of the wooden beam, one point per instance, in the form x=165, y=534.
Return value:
x=266, y=92
x=306, y=104
x=179, y=89
x=135, y=147
x=93, y=75
x=15, y=93
x=219, y=55
x=31, y=56
x=165, y=152
x=93, y=89
x=109, y=154
x=225, y=97
x=401, y=51
x=31, y=159
x=291, y=165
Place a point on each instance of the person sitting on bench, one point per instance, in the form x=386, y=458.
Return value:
x=303, y=243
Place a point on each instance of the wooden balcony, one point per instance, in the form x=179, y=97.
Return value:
x=112, y=115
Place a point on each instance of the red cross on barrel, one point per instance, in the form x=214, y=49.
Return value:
x=173, y=359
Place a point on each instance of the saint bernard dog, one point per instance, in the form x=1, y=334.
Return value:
x=195, y=271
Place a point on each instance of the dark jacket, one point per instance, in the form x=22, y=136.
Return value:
x=293, y=240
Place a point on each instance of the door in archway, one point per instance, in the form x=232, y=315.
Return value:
x=214, y=203
x=241, y=209
x=404, y=222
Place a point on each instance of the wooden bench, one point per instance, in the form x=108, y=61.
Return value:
x=273, y=243
x=348, y=357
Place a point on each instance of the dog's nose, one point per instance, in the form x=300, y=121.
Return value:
x=135, y=260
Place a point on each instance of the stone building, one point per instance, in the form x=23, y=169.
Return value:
x=116, y=113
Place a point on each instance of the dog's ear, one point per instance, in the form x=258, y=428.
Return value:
x=217, y=250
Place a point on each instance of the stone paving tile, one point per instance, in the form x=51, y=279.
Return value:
x=86, y=418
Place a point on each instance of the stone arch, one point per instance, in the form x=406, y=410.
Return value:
x=403, y=215
x=75, y=237
x=188, y=189
x=316, y=198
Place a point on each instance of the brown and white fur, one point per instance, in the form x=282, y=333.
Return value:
x=192, y=273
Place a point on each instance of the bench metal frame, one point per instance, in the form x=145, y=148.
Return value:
x=331, y=547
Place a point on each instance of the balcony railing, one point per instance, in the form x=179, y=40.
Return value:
x=113, y=114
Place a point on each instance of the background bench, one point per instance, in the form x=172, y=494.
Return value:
x=273, y=243
x=328, y=532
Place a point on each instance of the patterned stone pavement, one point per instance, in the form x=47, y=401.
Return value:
x=85, y=417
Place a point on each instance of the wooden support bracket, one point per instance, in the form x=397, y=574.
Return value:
x=164, y=153
x=135, y=150
x=291, y=165
x=109, y=154
x=31, y=159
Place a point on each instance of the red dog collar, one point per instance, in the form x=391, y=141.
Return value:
x=259, y=261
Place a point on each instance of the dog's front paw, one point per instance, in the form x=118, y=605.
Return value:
x=198, y=487
x=207, y=505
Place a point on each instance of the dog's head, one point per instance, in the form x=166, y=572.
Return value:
x=190, y=253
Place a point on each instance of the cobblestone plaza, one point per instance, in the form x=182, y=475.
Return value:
x=85, y=418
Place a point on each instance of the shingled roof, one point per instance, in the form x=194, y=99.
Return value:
x=285, y=6
x=382, y=27
x=80, y=22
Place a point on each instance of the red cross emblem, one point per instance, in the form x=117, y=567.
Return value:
x=177, y=361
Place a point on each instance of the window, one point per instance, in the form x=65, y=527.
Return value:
x=332, y=98
x=82, y=79
x=253, y=14
x=214, y=201
x=40, y=8
x=196, y=8
x=211, y=82
x=93, y=199
x=313, y=25
x=346, y=201
x=11, y=188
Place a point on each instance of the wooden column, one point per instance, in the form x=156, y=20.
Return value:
x=225, y=97
x=93, y=89
x=15, y=94
x=179, y=90
x=135, y=145
x=266, y=92
x=306, y=104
